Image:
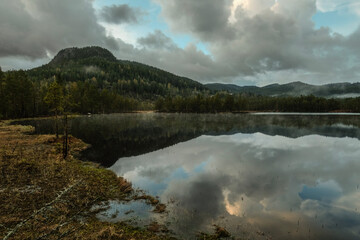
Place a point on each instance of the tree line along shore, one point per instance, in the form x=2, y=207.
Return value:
x=22, y=97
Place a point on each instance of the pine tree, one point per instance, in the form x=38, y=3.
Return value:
x=55, y=99
x=2, y=95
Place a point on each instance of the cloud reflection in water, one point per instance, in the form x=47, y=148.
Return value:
x=284, y=187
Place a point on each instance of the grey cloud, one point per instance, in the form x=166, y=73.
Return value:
x=37, y=28
x=157, y=40
x=277, y=43
x=13, y=63
x=282, y=38
x=354, y=40
x=189, y=62
x=207, y=19
x=272, y=41
x=120, y=14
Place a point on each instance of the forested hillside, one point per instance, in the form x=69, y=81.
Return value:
x=223, y=102
x=98, y=67
x=295, y=89
x=90, y=79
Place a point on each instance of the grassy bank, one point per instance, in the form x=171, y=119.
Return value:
x=43, y=196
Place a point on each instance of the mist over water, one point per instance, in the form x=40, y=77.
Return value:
x=285, y=177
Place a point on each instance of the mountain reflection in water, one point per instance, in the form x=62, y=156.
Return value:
x=113, y=136
x=289, y=177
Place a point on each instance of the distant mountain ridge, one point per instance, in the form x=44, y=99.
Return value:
x=292, y=89
x=138, y=80
x=92, y=80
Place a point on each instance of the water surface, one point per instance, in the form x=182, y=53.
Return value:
x=259, y=176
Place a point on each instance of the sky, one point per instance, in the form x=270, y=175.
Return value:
x=243, y=42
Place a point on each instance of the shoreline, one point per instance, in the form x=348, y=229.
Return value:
x=45, y=196
x=335, y=113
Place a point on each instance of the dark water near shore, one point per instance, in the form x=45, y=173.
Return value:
x=259, y=176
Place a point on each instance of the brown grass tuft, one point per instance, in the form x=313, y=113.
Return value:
x=43, y=196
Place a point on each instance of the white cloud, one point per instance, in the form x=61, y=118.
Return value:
x=338, y=5
x=329, y=5
x=250, y=7
x=120, y=32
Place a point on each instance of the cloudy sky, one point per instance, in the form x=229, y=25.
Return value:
x=246, y=42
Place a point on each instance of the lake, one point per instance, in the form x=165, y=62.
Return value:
x=261, y=176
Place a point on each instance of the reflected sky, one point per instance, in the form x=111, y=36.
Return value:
x=287, y=176
x=298, y=188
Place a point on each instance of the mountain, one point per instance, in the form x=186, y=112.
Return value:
x=92, y=80
x=293, y=89
x=99, y=67
x=76, y=54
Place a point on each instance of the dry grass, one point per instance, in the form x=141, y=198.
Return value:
x=43, y=196
x=158, y=207
x=220, y=233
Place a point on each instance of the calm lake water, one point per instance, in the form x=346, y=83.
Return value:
x=259, y=176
